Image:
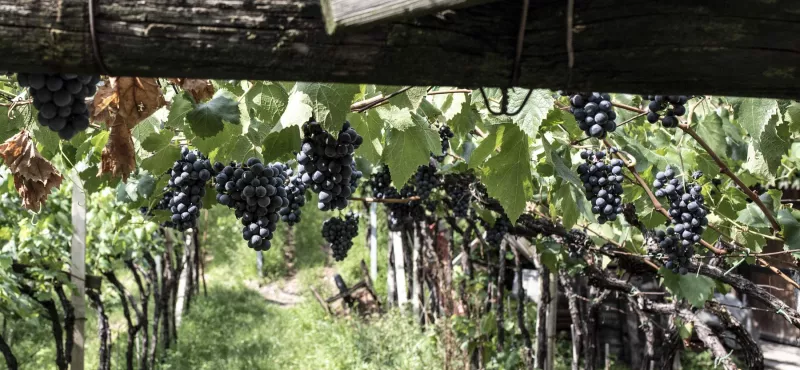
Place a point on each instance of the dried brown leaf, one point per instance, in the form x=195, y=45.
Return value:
x=34, y=176
x=104, y=106
x=200, y=89
x=119, y=155
x=138, y=98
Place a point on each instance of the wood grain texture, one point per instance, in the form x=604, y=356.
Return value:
x=349, y=14
x=734, y=47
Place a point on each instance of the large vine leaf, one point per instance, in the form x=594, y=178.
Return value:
x=406, y=150
x=754, y=114
x=206, y=119
x=774, y=143
x=327, y=103
x=533, y=112
x=712, y=132
x=695, y=289
x=507, y=175
x=267, y=100
x=279, y=144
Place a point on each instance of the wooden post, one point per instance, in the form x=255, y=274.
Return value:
x=416, y=274
x=391, y=279
x=373, y=241
x=399, y=266
x=608, y=356
x=78, y=270
x=552, y=319
x=184, y=281
x=260, y=264
x=575, y=347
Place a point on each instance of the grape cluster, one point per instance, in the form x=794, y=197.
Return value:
x=457, y=194
x=327, y=165
x=340, y=233
x=445, y=134
x=602, y=181
x=256, y=192
x=426, y=180
x=594, y=113
x=496, y=233
x=296, y=193
x=60, y=100
x=188, y=179
x=659, y=102
x=670, y=246
x=686, y=206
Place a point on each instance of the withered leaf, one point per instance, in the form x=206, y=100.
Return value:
x=34, y=176
x=119, y=155
x=200, y=90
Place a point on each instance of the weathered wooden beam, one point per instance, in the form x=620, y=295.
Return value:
x=343, y=14
x=734, y=47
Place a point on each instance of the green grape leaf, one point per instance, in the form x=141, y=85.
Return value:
x=507, y=175
x=206, y=118
x=409, y=99
x=568, y=206
x=754, y=114
x=11, y=126
x=791, y=229
x=793, y=116
x=774, y=143
x=563, y=171
x=146, y=185
x=487, y=146
x=157, y=141
x=466, y=119
x=328, y=103
x=368, y=125
x=181, y=106
x=394, y=117
x=533, y=112
x=267, y=100
x=281, y=144
x=161, y=160
x=406, y=150
x=752, y=216
x=695, y=289
x=712, y=132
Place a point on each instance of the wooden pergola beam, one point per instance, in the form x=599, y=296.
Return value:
x=734, y=47
x=346, y=14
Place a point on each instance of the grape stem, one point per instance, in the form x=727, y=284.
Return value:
x=386, y=200
x=724, y=169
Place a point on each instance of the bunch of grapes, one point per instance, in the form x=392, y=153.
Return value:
x=188, y=179
x=340, y=233
x=594, y=113
x=426, y=180
x=445, y=134
x=256, y=192
x=60, y=100
x=496, y=233
x=659, y=102
x=686, y=205
x=670, y=246
x=602, y=181
x=457, y=194
x=381, y=183
x=296, y=193
x=326, y=164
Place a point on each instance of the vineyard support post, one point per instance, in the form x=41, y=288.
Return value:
x=552, y=318
x=184, y=280
x=416, y=273
x=399, y=266
x=260, y=263
x=78, y=269
x=373, y=241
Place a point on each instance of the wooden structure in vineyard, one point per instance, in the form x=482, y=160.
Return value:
x=573, y=45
